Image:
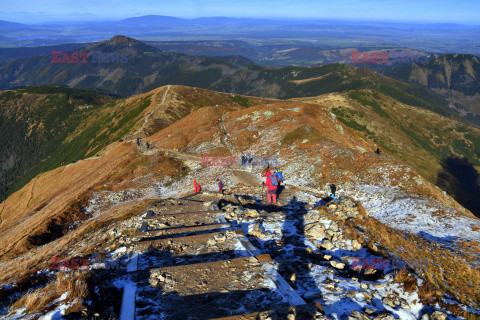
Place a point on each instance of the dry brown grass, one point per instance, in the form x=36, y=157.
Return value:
x=75, y=283
x=444, y=271
x=29, y=211
x=408, y=280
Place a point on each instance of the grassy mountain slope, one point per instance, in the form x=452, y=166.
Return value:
x=421, y=138
x=318, y=141
x=46, y=127
x=454, y=76
x=34, y=124
x=147, y=68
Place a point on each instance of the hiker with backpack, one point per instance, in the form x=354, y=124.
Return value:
x=333, y=189
x=220, y=185
x=272, y=184
x=378, y=150
x=197, y=186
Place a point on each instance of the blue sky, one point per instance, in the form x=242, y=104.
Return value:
x=33, y=11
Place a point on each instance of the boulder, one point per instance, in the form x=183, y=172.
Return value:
x=337, y=265
x=356, y=245
x=328, y=245
x=437, y=315
x=252, y=213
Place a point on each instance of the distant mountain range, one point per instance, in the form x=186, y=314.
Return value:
x=438, y=38
x=131, y=67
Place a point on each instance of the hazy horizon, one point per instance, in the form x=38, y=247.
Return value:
x=352, y=20
x=464, y=12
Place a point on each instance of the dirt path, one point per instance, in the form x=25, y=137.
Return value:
x=186, y=254
x=225, y=138
x=247, y=178
x=147, y=117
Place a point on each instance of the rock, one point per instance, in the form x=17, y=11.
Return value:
x=220, y=237
x=404, y=304
x=367, y=296
x=334, y=227
x=357, y=315
x=330, y=286
x=153, y=282
x=425, y=317
x=211, y=242
x=333, y=206
x=291, y=316
x=373, y=247
x=384, y=316
x=328, y=245
x=311, y=296
x=364, y=286
x=329, y=233
x=437, y=315
x=337, y=265
x=370, y=311
x=327, y=257
x=389, y=302
x=315, y=230
x=252, y=213
x=370, y=272
x=98, y=265
x=356, y=245
x=345, y=259
x=293, y=277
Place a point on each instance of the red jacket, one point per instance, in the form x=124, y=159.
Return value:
x=268, y=182
x=197, y=186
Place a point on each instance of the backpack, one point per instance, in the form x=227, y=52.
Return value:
x=279, y=176
x=274, y=180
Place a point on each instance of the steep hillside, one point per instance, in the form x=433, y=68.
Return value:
x=426, y=141
x=46, y=127
x=34, y=122
x=454, y=76
x=117, y=210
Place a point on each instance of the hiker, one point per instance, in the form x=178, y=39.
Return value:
x=197, y=186
x=138, y=142
x=244, y=160
x=378, y=150
x=279, y=175
x=148, y=145
x=333, y=189
x=265, y=170
x=220, y=185
x=271, y=183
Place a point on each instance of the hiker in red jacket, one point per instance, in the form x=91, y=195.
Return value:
x=197, y=186
x=271, y=186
